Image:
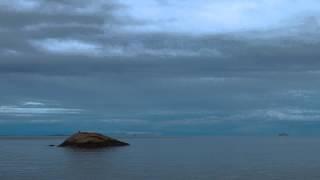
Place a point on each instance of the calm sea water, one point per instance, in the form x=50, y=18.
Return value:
x=200, y=158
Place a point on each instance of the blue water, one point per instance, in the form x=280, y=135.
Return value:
x=184, y=158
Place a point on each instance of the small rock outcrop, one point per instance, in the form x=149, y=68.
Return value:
x=91, y=140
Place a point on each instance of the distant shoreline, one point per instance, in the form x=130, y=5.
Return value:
x=155, y=136
x=32, y=137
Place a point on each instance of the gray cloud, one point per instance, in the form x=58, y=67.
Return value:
x=98, y=57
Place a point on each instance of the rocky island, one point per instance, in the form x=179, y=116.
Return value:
x=91, y=140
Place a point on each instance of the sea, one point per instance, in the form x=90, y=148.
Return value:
x=164, y=158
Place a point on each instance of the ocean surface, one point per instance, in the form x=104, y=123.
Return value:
x=183, y=158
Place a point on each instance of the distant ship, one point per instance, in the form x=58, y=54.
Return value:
x=283, y=134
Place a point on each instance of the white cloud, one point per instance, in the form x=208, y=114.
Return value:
x=211, y=80
x=194, y=121
x=37, y=110
x=52, y=7
x=78, y=47
x=125, y=121
x=53, y=25
x=9, y=52
x=180, y=52
x=33, y=103
x=292, y=114
x=301, y=93
x=267, y=114
x=207, y=16
x=68, y=47
x=43, y=121
x=137, y=49
x=286, y=114
x=20, y=5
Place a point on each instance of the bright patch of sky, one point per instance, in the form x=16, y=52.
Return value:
x=207, y=16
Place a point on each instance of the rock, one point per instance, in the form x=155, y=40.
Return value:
x=91, y=140
x=51, y=145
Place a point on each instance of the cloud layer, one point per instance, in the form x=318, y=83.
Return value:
x=160, y=66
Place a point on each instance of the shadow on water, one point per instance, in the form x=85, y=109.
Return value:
x=91, y=150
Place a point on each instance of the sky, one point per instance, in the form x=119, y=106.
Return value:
x=160, y=67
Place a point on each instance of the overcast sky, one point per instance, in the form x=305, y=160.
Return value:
x=160, y=66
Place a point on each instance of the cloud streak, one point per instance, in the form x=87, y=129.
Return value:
x=30, y=108
x=22, y=110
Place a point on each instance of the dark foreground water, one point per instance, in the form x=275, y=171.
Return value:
x=209, y=158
